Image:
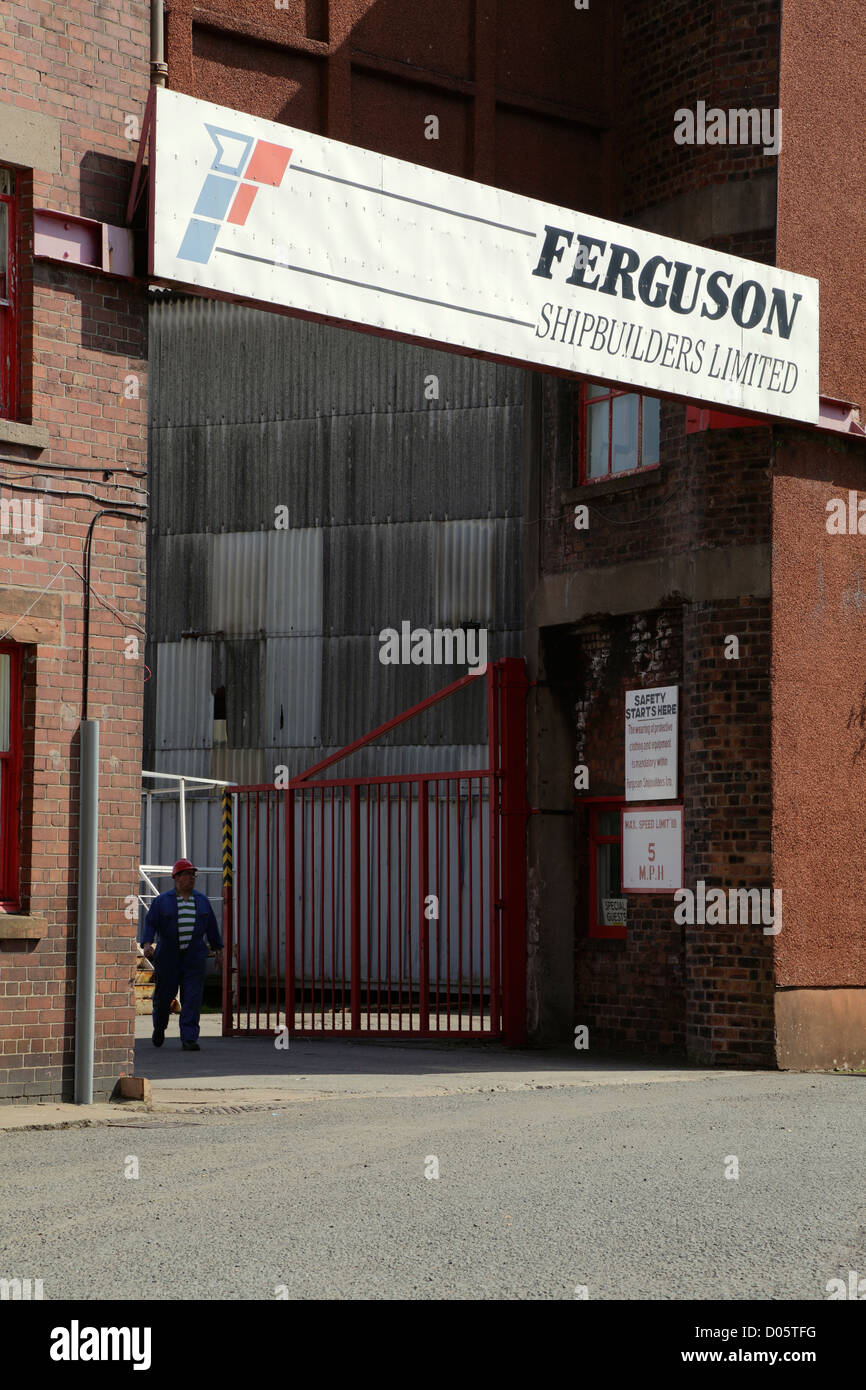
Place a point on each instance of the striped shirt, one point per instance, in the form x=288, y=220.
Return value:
x=185, y=920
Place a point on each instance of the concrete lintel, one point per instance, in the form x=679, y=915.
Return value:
x=35, y=616
x=34, y=436
x=717, y=210
x=29, y=139
x=700, y=576
x=23, y=928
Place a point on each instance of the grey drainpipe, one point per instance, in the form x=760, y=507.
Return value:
x=88, y=857
x=158, y=65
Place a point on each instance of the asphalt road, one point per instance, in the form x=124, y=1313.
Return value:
x=617, y=1186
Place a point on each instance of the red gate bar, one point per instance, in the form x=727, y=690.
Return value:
x=423, y=924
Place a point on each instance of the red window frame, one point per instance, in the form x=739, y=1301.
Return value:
x=598, y=930
x=603, y=393
x=9, y=326
x=10, y=788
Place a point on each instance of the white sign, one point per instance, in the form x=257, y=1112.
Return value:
x=614, y=911
x=652, y=849
x=651, y=739
x=254, y=210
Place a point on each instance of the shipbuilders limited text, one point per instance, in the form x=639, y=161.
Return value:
x=677, y=286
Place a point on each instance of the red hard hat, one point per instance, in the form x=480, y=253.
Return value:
x=181, y=865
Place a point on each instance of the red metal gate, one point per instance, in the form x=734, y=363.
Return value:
x=385, y=904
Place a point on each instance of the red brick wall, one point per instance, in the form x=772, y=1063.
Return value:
x=727, y=794
x=87, y=66
x=705, y=991
x=674, y=54
x=822, y=176
x=628, y=992
x=527, y=113
x=712, y=490
x=819, y=715
x=699, y=989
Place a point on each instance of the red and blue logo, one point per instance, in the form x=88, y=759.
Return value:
x=241, y=166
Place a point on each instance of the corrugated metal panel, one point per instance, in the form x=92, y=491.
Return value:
x=359, y=694
x=367, y=445
x=508, y=579
x=265, y=366
x=464, y=553
x=238, y=666
x=399, y=507
x=339, y=470
x=254, y=767
x=261, y=887
x=193, y=762
x=178, y=581
x=293, y=691
x=239, y=584
x=384, y=760
x=377, y=576
x=440, y=463
x=248, y=766
x=203, y=828
x=295, y=578
x=248, y=470
x=184, y=703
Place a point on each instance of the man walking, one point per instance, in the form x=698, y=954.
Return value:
x=183, y=922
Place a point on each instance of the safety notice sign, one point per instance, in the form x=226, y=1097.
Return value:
x=651, y=737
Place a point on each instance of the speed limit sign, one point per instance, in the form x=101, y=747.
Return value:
x=652, y=849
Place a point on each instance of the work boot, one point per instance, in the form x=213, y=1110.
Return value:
x=158, y=1037
x=191, y=1047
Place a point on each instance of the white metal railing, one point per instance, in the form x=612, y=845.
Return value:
x=148, y=870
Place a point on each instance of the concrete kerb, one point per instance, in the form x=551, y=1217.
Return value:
x=232, y=1075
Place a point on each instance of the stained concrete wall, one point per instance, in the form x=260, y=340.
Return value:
x=822, y=175
x=821, y=1029
x=819, y=753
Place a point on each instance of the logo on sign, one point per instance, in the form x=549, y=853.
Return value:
x=241, y=165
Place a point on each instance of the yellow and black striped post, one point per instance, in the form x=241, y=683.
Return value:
x=227, y=838
x=228, y=943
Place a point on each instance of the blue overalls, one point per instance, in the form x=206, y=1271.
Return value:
x=174, y=967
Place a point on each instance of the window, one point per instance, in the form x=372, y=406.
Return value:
x=619, y=432
x=8, y=295
x=605, y=868
x=10, y=772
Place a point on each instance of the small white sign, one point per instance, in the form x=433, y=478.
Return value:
x=614, y=911
x=651, y=739
x=652, y=849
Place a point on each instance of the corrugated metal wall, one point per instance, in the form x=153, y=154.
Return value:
x=397, y=507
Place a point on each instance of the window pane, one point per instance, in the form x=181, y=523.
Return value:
x=608, y=823
x=7, y=182
x=596, y=388
x=597, y=438
x=5, y=661
x=609, y=876
x=625, y=410
x=4, y=250
x=650, y=441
